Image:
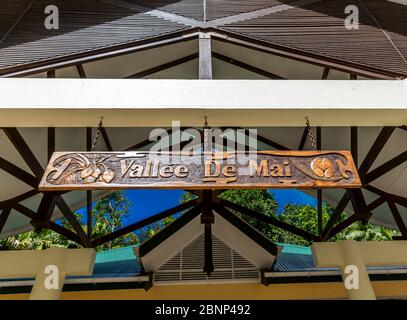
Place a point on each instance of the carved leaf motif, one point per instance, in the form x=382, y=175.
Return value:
x=322, y=167
x=60, y=169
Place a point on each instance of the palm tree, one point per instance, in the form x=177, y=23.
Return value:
x=369, y=232
x=36, y=240
x=108, y=215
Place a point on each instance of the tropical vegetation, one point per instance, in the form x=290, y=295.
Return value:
x=110, y=213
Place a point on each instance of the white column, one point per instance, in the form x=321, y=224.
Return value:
x=30, y=263
x=360, y=254
x=55, y=257
x=352, y=255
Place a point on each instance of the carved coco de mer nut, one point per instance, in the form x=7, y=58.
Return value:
x=322, y=167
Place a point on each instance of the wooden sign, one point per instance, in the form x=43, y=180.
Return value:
x=177, y=170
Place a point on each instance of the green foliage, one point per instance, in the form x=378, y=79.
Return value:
x=301, y=216
x=152, y=229
x=257, y=200
x=304, y=217
x=109, y=212
x=187, y=196
x=359, y=231
x=36, y=240
x=107, y=216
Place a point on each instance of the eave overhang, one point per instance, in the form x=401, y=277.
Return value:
x=157, y=103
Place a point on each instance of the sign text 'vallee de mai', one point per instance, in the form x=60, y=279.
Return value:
x=227, y=170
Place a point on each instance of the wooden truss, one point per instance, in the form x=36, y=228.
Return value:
x=43, y=217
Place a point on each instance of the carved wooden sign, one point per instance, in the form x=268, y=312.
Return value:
x=228, y=170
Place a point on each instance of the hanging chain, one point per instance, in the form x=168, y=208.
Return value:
x=96, y=139
x=310, y=134
x=206, y=135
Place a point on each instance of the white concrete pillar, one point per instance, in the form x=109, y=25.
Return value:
x=352, y=256
x=51, y=270
x=46, y=265
x=360, y=254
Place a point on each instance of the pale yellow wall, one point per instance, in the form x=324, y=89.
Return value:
x=329, y=290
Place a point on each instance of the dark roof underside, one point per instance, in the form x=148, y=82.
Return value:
x=319, y=28
x=85, y=25
x=314, y=27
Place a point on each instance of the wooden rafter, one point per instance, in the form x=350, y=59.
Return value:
x=387, y=196
x=45, y=210
x=246, y=66
x=4, y=214
x=51, y=74
x=25, y=211
x=68, y=214
x=325, y=73
x=163, y=67
x=207, y=219
x=362, y=210
x=100, y=54
x=20, y=197
x=354, y=144
x=267, y=219
x=376, y=203
x=81, y=71
x=106, y=139
x=336, y=215
x=359, y=204
x=342, y=226
x=303, y=139
x=375, y=149
x=385, y=167
x=397, y=217
x=50, y=141
x=319, y=191
x=18, y=173
x=25, y=152
x=89, y=222
x=140, y=224
x=300, y=55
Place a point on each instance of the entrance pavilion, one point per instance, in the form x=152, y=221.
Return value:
x=264, y=65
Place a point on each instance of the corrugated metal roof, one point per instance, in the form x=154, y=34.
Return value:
x=292, y=258
x=117, y=262
x=293, y=248
x=119, y=254
x=122, y=262
x=312, y=27
x=193, y=9
x=216, y=9
x=319, y=28
x=84, y=25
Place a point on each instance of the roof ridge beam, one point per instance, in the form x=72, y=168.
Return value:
x=383, y=31
x=208, y=24
x=257, y=13
x=157, y=13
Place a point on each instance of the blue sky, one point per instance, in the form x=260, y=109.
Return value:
x=145, y=203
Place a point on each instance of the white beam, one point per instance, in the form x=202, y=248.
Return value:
x=374, y=253
x=347, y=253
x=33, y=263
x=50, y=102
